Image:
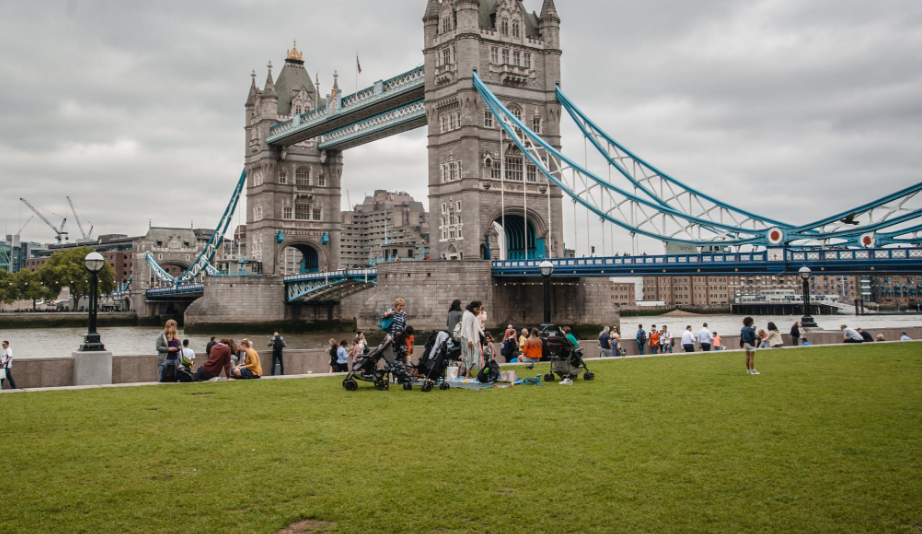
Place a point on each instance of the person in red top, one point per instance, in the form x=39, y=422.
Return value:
x=218, y=359
x=410, y=341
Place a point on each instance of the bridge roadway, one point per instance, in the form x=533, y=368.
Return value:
x=334, y=286
x=386, y=108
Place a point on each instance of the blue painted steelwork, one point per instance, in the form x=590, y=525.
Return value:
x=202, y=263
x=770, y=261
x=324, y=287
x=179, y=290
x=382, y=122
x=382, y=91
x=123, y=288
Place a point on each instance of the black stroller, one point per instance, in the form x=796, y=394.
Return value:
x=433, y=364
x=566, y=360
x=367, y=368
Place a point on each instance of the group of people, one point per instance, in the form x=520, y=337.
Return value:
x=340, y=351
x=860, y=335
x=237, y=360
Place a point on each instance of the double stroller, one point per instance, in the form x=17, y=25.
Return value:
x=433, y=365
x=367, y=368
x=566, y=360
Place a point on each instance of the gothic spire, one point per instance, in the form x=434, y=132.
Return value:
x=269, y=91
x=251, y=98
x=549, y=11
x=432, y=10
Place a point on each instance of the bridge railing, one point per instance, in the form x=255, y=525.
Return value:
x=334, y=275
x=181, y=289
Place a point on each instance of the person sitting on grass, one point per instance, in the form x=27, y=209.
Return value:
x=251, y=369
x=774, y=340
x=763, y=339
x=865, y=335
x=880, y=337
x=904, y=337
x=188, y=355
x=805, y=343
x=850, y=335
x=533, y=348
x=750, y=341
x=219, y=358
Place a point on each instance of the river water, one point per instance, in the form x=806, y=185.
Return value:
x=127, y=341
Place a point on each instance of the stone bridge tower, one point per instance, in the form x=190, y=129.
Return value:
x=293, y=193
x=518, y=55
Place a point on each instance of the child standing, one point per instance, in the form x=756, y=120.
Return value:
x=718, y=344
x=654, y=340
x=410, y=341
x=750, y=341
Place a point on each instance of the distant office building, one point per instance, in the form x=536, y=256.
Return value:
x=115, y=249
x=389, y=226
x=14, y=253
x=721, y=290
x=623, y=293
x=898, y=290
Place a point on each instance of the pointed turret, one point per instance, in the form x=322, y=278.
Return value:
x=432, y=11
x=549, y=12
x=269, y=91
x=251, y=98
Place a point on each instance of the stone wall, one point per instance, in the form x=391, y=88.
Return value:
x=245, y=300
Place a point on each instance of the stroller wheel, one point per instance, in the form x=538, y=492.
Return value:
x=445, y=386
x=427, y=387
x=383, y=385
x=549, y=377
x=408, y=387
x=350, y=385
x=589, y=376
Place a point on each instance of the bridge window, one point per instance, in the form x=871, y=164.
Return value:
x=487, y=118
x=446, y=25
x=318, y=214
x=286, y=213
x=514, y=168
x=536, y=125
x=515, y=29
x=527, y=60
x=505, y=56
x=322, y=180
x=532, y=173
x=302, y=211
x=504, y=27
x=283, y=177
x=302, y=176
x=494, y=55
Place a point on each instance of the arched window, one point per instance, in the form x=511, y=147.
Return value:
x=298, y=110
x=302, y=176
x=446, y=25
x=515, y=29
x=505, y=27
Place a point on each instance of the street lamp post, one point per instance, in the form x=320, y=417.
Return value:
x=807, y=320
x=547, y=269
x=94, y=263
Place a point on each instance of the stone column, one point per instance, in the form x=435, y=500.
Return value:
x=92, y=368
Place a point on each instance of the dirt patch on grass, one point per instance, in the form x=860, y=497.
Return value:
x=309, y=526
x=161, y=477
x=505, y=492
x=202, y=393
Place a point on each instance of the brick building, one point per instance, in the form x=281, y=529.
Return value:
x=721, y=290
x=385, y=227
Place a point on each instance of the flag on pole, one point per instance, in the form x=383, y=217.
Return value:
x=358, y=64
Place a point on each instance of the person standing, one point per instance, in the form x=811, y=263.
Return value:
x=850, y=335
x=665, y=340
x=688, y=339
x=471, y=349
x=277, y=343
x=641, y=339
x=795, y=332
x=510, y=333
x=6, y=364
x=705, y=338
x=455, y=314
x=334, y=356
x=166, y=348
x=399, y=316
x=616, y=349
x=718, y=343
x=489, y=347
x=211, y=343
x=605, y=343
x=654, y=340
x=749, y=339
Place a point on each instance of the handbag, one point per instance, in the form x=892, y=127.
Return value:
x=385, y=324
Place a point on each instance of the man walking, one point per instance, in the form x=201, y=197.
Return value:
x=605, y=343
x=6, y=363
x=277, y=343
x=688, y=339
x=641, y=339
x=705, y=338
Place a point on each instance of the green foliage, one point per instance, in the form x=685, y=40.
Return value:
x=825, y=440
x=66, y=269
x=29, y=287
x=8, y=290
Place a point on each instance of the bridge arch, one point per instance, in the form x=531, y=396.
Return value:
x=514, y=235
x=313, y=257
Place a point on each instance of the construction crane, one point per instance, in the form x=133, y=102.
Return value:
x=24, y=226
x=86, y=235
x=60, y=233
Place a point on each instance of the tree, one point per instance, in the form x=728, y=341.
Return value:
x=8, y=291
x=30, y=287
x=66, y=269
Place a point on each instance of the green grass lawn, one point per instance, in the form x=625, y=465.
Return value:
x=825, y=440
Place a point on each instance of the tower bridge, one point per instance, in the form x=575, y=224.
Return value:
x=489, y=95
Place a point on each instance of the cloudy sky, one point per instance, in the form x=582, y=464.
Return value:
x=791, y=108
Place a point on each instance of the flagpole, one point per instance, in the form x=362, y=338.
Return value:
x=356, y=72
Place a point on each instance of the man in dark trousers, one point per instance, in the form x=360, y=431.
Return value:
x=220, y=358
x=277, y=343
x=210, y=344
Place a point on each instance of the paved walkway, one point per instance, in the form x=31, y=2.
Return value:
x=328, y=375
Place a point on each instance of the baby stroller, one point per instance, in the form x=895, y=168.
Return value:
x=367, y=369
x=566, y=360
x=434, y=362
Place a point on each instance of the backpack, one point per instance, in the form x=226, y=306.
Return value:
x=642, y=336
x=184, y=375
x=169, y=373
x=490, y=373
x=277, y=344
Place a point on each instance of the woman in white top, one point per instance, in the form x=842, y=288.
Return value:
x=471, y=353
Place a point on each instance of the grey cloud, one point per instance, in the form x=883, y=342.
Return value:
x=789, y=108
